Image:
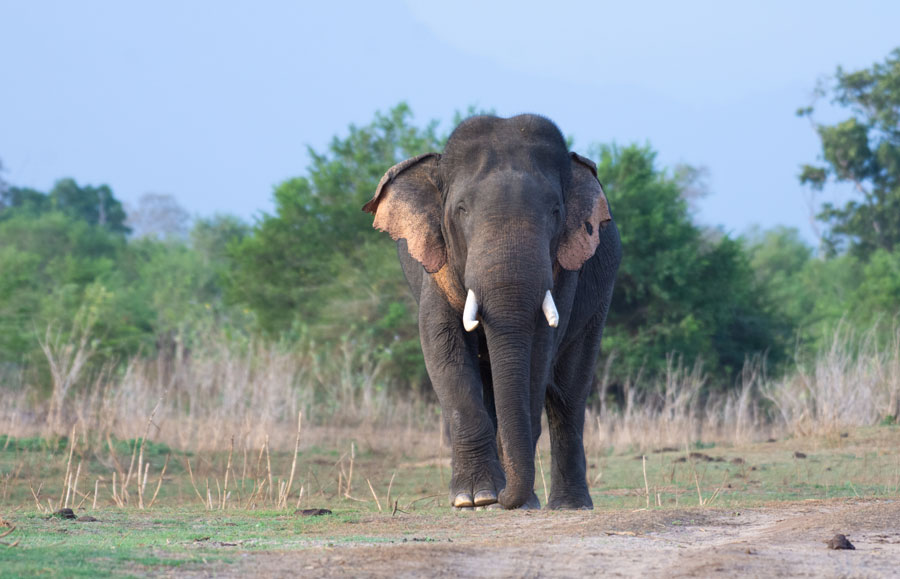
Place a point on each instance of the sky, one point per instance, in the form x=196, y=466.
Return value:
x=215, y=102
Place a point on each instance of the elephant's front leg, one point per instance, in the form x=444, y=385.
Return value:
x=565, y=403
x=451, y=357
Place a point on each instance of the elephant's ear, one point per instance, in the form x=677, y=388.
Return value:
x=407, y=205
x=587, y=212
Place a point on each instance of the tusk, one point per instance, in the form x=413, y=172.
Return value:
x=470, y=312
x=550, y=310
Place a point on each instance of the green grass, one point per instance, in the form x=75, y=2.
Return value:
x=864, y=463
x=131, y=542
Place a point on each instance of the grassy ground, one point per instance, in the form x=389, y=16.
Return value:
x=197, y=525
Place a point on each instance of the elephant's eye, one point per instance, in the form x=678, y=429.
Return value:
x=461, y=209
x=555, y=212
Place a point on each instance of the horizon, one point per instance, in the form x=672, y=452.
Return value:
x=215, y=105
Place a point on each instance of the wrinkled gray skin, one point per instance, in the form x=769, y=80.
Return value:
x=500, y=212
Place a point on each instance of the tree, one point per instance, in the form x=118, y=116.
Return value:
x=158, y=215
x=864, y=151
x=290, y=265
x=3, y=186
x=316, y=267
x=92, y=205
x=692, y=181
x=47, y=261
x=19, y=200
x=210, y=239
x=679, y=289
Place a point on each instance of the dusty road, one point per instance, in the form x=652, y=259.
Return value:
x=783, y=540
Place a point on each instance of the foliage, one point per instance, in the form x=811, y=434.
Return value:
x=864, y=151
x=158, y=215
x=93, y=205
x=48, y=262
x=315, y=275
x=3, y=186
x=317, y=266
x=58, y=258
x=810, y=297
x=679, y=288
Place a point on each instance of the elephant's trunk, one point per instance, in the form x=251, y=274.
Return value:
x=510, y=271
x=511, y=371
x=509, y=322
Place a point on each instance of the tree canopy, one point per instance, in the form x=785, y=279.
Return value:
x=680, y=288
x=862, y=150
x=315, y=272
x=90, y=204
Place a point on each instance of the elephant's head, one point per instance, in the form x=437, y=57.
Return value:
x=497, y=213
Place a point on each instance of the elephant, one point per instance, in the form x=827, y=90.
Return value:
x=508, y=244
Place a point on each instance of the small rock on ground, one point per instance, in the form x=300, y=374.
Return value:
x=839, y=541
x=312, y=512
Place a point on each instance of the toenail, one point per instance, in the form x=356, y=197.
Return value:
x=463, y=500
x=483, y=498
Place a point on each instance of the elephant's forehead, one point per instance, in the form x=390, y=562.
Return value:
x=504, y=190
x=484, y=145
x=498, y=161
x=510, y=181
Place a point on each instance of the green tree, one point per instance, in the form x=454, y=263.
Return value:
x=316, y=265
x=680, y=289
x=781, y=262
x=19, y=200
x=47, y=262
x=93, y=205
x=211, y=238
x=864, y=151
x=3, y=186
x=292, y=259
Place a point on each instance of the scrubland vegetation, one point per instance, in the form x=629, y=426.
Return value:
x=155, y=362
x=237, y=327
x=232, y=329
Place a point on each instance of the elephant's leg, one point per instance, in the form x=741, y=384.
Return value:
x=537, y=409
x=452, y=363
x=566, y=400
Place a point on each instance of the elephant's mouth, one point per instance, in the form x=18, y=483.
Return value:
x=470, y=311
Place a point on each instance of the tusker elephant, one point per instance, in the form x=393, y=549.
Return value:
x=508, y=243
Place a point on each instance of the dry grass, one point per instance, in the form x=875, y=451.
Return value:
x=217, y=391
x=854, y=381
x=223, y=394
x=677, y=411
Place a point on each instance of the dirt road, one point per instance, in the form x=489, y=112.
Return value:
x=783, y=540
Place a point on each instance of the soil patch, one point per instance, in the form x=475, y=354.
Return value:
x=787, y=539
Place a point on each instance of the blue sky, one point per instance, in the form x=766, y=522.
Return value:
x=215, y=102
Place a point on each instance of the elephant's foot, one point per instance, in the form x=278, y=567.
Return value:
x=532, y=504
x=476, y=488
x=580, y=500
x=467, y=503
